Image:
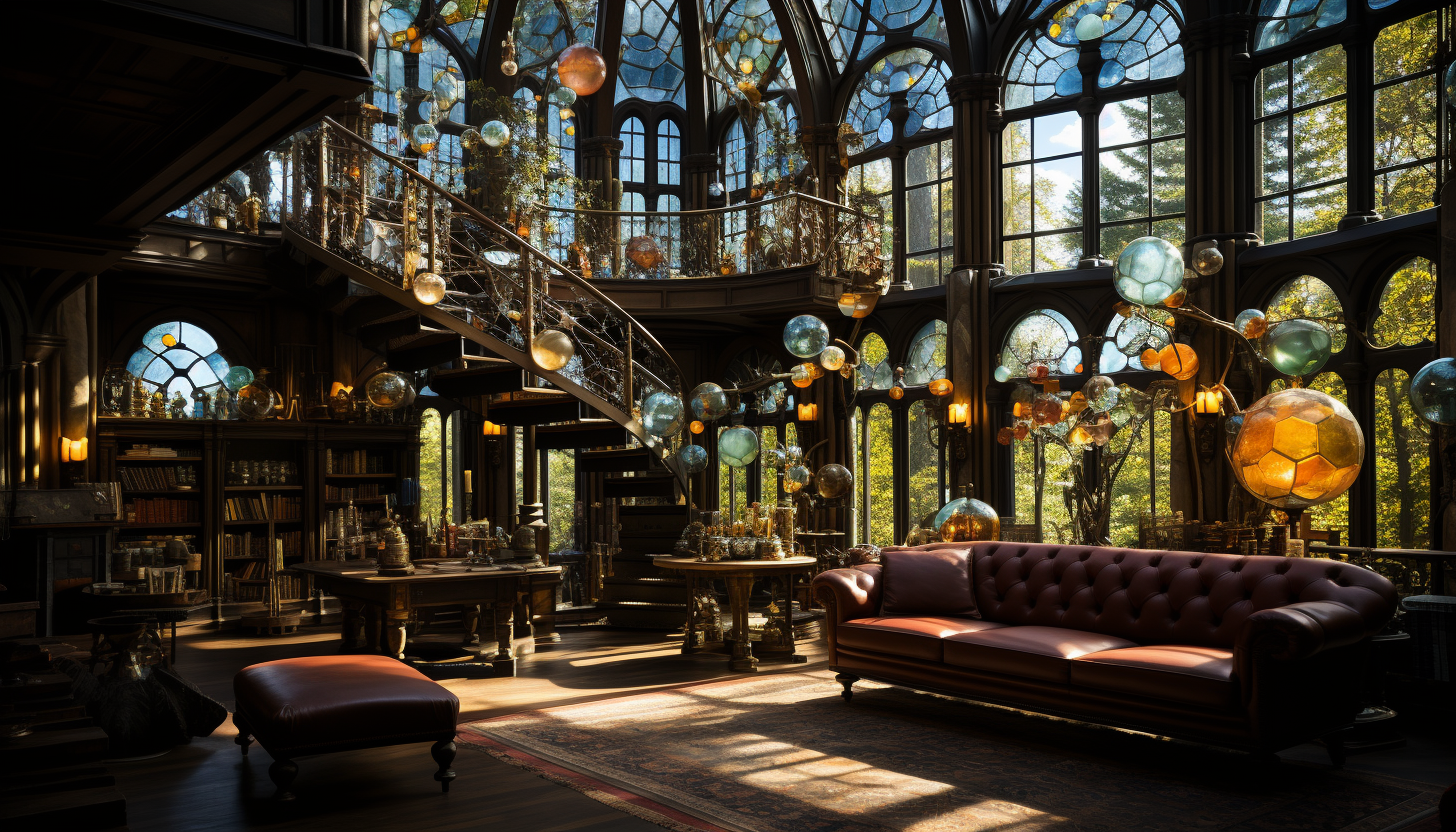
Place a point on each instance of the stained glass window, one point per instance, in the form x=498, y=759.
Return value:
x=927, y=356
x=669, y=153
x=1139, y=42
x=1044, y=335
x=651, y=64
x=633, y=163
x=1124, y=335
x=545, y=27
x=921, y=76
x=178, y=357
x=855, y=28
x=874, y=370
x=1284, y=20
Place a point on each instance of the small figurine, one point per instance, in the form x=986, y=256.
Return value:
x=201, y=408
x=249, y=212
x=139, y=399
x=177, y=408
x=220, y=407
x=158, y=407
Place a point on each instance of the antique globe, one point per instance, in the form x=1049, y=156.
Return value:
x=495, y=133
x=806, y=336
x=389, y=390
x=429, y=288
x=1251, y=323
x=795, y=478
x=662, y=415
x=1148, y=271
x=237, y=378
x=1298, y=347
x=1297, y=448
x=709, y=402
x=581, y=68
x=966, y=519
x=694, y=458
x=255, y=401
x=834, y=481
x=471, y=140
x=1433, y=391
x=552, y=349
x=737, y=447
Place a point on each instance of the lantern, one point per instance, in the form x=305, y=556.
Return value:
x=1208, y=402
x=808, y=412
x=940, y=387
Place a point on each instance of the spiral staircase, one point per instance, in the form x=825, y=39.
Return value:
x=363, y=225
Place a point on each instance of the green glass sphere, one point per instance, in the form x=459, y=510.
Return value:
x=662, y=415
x=806, y=336
x=1298, y=347
x=737, y=447
x=237, y=378
x=1433, y=391
x=1148, y=271
x=694, y=458
x=709, y=402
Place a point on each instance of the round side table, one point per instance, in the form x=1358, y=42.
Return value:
x=778, y=631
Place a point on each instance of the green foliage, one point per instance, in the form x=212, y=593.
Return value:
x=431, y=458
x=526, y=171
x=561, y=499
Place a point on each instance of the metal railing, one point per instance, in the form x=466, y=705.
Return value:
x=377, y=219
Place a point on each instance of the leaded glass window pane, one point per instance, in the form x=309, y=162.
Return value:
x=1041, y=191
x=1301, y=130
x=651, y=64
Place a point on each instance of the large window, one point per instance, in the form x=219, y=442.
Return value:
x=561, y=511
x=178, y=358
x=1077, y=186
x=1301, y=123
x=437, y=467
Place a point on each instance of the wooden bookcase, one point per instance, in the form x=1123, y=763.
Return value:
x=264, y=473
x=365, y=463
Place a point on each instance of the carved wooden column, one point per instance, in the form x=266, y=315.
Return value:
x=821, y=149
x=1219, y=205
x=599, y=157
x=971, y=451
x=977, y=155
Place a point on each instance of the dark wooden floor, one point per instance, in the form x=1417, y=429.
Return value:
x=207, y=785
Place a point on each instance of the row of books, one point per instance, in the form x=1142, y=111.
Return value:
x=162, y=510
x=156, y=452
x=355, y=462
x=249, y=545
x=367, y=491
x=276, y=507
x=289, y=587
x=158, y=478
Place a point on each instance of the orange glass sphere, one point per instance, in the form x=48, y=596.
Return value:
x=1178, y=361
x=1297, y=448
x=582, y=69
x=1005, y=435
x=696, y=427
x=1149, y=358
x=644, y=251
x=1021, y=431
x=1176, y=299
x=897, y=392
x=940, y=387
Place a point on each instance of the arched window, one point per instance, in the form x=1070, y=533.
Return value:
x=901, y=110
x=1327, y=68
x=633, y=163
x=651, y=63
x=854, y=28
x=178, y=357
x=1044, y=336
x=1406, y=313
x=1127, y=339
x=1075, y=186
x=437, y=466
x=1310, y=297
x=927, y=357
x=878, y=444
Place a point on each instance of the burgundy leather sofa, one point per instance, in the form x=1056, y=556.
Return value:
x=1255, y=653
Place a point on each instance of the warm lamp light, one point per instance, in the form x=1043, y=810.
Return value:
x=489, y=428
x=339, y=385
x=940, y=387
x=1297, y=448
x=808, y=412
x=959, y=414
x=73, y=450
x=1208, y=402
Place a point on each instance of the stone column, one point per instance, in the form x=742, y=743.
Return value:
x=1219, y=213
x=977, y=149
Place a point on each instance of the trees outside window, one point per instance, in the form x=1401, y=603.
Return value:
x=437, y=467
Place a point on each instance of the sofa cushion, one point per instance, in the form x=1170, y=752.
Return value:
x=912, y=637
x=927, y=582
x=1033, y=652
x=1175, y=672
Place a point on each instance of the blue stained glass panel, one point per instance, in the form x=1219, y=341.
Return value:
x=158, y=371
x=218, y=364
x=1138, y=46
x=202, y=375
x=1281, y=21
x=181, y=359
x=137, y=364
x=922, y=74
x=198, y=340
x=153, y=339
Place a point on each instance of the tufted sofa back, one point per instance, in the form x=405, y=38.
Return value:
x=1155, y=597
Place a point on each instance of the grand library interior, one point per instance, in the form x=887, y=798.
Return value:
x=533, y=415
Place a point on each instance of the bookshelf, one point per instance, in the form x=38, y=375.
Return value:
x=364, y=464
x=163, y=471
x=263, y=498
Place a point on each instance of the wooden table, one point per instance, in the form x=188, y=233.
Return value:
x=496, y=588
x=778, y=630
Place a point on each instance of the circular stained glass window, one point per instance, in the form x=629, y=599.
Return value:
x=178, y=357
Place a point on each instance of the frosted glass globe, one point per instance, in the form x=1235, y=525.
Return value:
x=831, y=359
x=806, y=336
x=662, y=415
x=237, y=378
x=1298, y=347
x=1433, y=391
x=1148, y=270
x=709, y=402
x=834, y=481
x=424, y=138
x=694, y=458
x=552, y=349
x=737, y=447
x=429, y=288
x=495, y=133
x=389, y=390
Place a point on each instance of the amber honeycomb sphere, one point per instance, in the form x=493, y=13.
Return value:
x=1297, y=448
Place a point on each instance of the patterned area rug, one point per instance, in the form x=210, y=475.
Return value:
x=783, y=753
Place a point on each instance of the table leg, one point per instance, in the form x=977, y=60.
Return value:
x=739, y=590
x=794, y=655
x=395, y=626
x=505, y=657
x=352, y=625
x=470, y=624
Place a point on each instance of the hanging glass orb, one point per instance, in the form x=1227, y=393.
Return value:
x=495, y=133
x=255, y=401
x=1298, y=347
x=1297, y=448
x=1002, y=374
x=662, y=415
x=800, y=376
x=1450, y=85
x=966, y=519
x=449, y=88
x=1252, y=323
x=1090, y=27
x=1433, y=391
x=806, y=336
x=795, y=478
x=429, y=288
x=582, y=69
x=1208, y=261
x=644, y=251
x=708, y=402
x=1179, y=361
x=831, y=359
x=424, y=138
x=237, y=378
x=1100, y=393
x=471, y=140
x=834, y=481
x=509, y=68
x=715, y=189
x=389, y=390
x=1148, y=270
x=793, y=455
x=552, y=349
x=694, y=458
x=737, y=447
x=564, y=96
x=1137, y=334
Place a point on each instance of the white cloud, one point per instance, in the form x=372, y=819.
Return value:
x=1069, y=136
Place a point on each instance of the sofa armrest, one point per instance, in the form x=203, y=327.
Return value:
x=849, y=593
x=1298, y=631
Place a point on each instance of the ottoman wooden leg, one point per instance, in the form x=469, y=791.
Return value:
x=444, y=754
x=245, y=733
x=282, y=773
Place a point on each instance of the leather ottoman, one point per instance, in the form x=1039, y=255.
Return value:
x=320, y=704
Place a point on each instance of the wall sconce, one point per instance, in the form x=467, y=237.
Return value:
x=489, y=428
x=1208, y=402
x=940, y=387
x=959, y=414
x=493, y=444
x=808, y=412
x=73, y=450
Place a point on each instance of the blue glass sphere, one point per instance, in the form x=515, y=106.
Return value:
x=806, y=336
x=1251, y=323
x=737, y=447
x=1003, y=373
x=1433, y=391
x=795, y=478
x=662, y=415
x=1298, y=347
x=709, y=402
x=1148, y=271
x=694, y=458
x=237, y=378
x=1450, y=85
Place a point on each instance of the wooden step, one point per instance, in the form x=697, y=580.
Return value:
x=36, y=686
x=45, y=749
x=378, y=333
x=583, y=433
x=368, y=309
x=534, y=406
x=482, y=377
x=661, y=485
x=614, y=460
x=57, y=780
x=421, y=350
x=341, y=296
